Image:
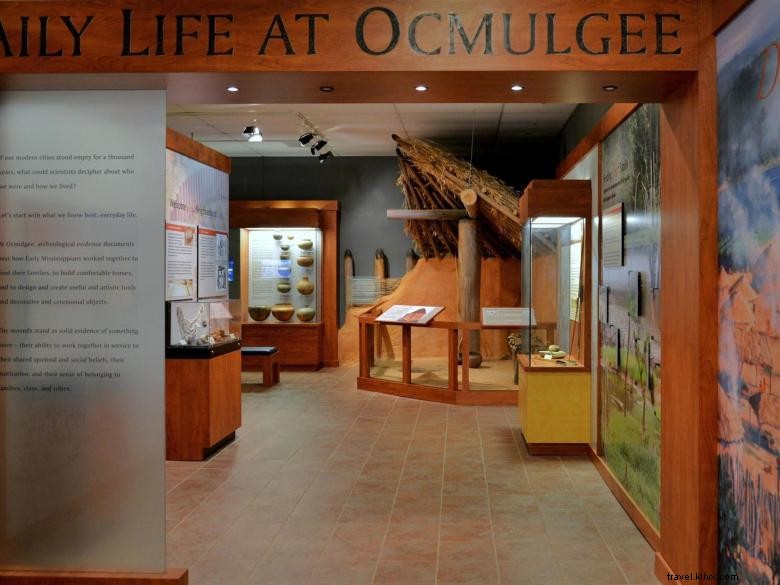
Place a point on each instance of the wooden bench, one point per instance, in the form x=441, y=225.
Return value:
x=262, y=359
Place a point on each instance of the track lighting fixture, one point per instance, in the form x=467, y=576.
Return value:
x=306, y=138
x=319, y=146
x=325, y=156
x=253, y=134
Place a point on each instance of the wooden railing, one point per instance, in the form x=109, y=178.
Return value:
x=454, y=393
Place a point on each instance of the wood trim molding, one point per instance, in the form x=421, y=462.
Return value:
x=197, y=151
x=638, y=517
x=724, y=11
x=170, y=577
x=614, y=117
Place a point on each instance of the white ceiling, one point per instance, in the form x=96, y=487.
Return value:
x=366, y=129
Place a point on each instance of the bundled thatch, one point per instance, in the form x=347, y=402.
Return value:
x=433, y=179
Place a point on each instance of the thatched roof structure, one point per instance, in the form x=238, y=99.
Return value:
x=433, y=179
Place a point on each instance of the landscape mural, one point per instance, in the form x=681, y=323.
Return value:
x=630, y=357
x=749, y=299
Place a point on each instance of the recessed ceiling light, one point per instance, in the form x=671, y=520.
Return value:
x=609, y=87
x=516, y=87
x=327, y=88
x=421, y=88
x=232, y=88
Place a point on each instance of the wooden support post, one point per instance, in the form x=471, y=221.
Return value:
x=349, y=273
x=452, y=359
x=464, y=376
x=469, y=277
x=469, y=199
x=363, y=345
x=406, y=354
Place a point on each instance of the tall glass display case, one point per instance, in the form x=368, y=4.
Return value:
x=554, y=393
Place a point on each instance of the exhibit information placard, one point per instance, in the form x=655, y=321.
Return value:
x=82, y=386
x=180, y=262
x=409, y=314
x=212, y=263
x=508, y=317
x=612, y=236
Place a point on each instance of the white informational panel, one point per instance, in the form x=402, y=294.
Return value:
x=508, y=317
x=212, y=263
x=195, y=193
x=82, y=387
x=180, y=261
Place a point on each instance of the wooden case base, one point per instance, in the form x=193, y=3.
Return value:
x=170, y=577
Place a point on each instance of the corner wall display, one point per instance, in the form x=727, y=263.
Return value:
x=749, y=320
x=82, y=380
x=630, y=406
x=612, y=236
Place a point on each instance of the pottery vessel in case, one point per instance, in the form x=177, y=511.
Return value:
x=283, y=287
x=306, y=244
x=277, y=236
x=305, y=286
x=283, y=312
x=305, y=314
x=305, y=260
x=259, y=313
x=284, y=270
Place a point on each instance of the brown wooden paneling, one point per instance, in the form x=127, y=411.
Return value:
x=170, y=577
x=443, y=395
x=243, y=217
x=723, y=11
x=556, y=197
x=110, y=40
x=292, y=87
x=330, y=285
x=195, y=150
x=202, y=404
x=646, y=527
x=300, y=344
x=689, y=312
x=614, y=117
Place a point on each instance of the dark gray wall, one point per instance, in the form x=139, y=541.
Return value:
x=365, y=186
x=582, y=120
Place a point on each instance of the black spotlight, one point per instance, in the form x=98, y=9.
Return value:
x=305, y=138
x=319, y=146
x=325, y=156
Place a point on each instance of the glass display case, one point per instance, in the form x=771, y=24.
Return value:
x=198, y=324
x=284, y=275
x=553, y=266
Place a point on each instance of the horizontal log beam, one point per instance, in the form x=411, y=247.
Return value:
x=427, y=214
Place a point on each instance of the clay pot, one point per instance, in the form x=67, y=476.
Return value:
x=283, y=287
x=284, y=270
x=475, y=359
x=305, y=314
x=284, y=256
x=306, y=244
x=285, y=247
x=291, y=237
x=305, y=260
x=305, y=286
x=259, y=313
x=283, y=312
x=277, y=236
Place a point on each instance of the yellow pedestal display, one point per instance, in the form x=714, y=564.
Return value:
x=554, y=409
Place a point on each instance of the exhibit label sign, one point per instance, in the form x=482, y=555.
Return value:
x=206, y=35
x=82, y=386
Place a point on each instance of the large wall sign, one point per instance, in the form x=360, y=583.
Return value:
x=81, y=360
x=749, y=234
x=630, y=362
x=207, y=35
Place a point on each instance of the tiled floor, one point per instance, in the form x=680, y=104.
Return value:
x=329, y=485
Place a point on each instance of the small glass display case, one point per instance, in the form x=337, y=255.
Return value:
x=553, y=287
x=200, y=325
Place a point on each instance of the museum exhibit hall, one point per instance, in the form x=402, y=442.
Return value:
x=409, y=293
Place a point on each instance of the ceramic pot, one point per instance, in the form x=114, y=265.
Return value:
x=305, y=314
x=475, y=359
x=305, y=286
x=306, y=244
x=284, y=256
x=285, y=247
x=277, y=236
x=305, y=260
x=259, y=313
x=283, y=312
x=283, y=287
x=284, y=270
x=291, y=237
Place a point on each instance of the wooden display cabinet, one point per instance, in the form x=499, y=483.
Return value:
x=554, y=387
x=302, y=345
